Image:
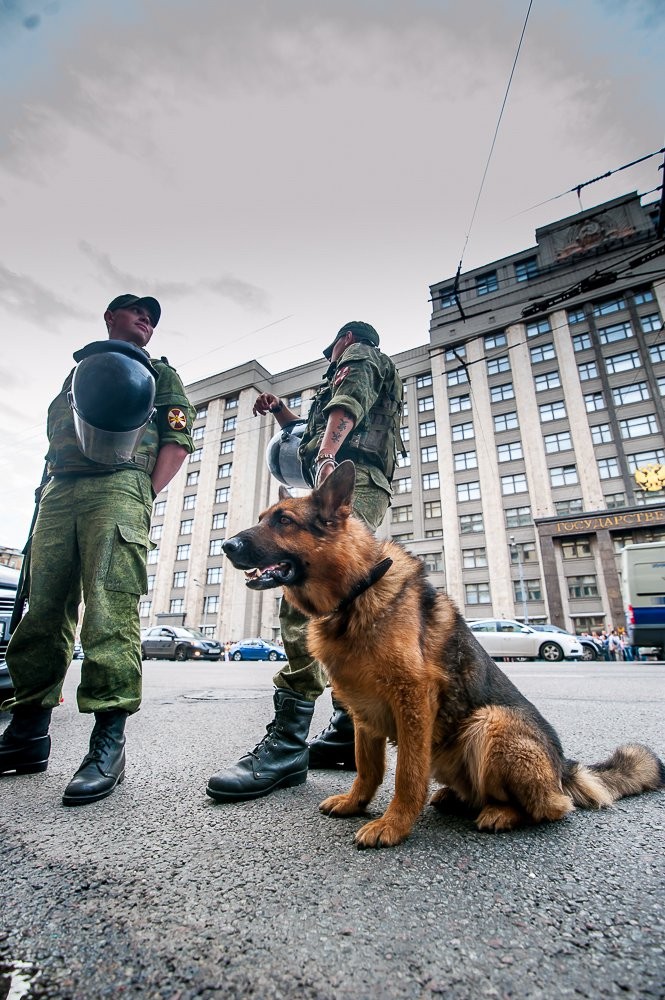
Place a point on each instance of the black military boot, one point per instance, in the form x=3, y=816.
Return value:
x=334, y=747
x=103, y=767
x=25, y=744
x=278, y=761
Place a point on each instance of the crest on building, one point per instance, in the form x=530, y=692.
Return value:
x=650, y=478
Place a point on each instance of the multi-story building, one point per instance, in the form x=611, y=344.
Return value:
x=535, y=431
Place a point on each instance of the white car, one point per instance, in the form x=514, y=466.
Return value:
x=503, y=637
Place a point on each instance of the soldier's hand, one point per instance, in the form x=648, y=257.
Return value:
x=265, y=403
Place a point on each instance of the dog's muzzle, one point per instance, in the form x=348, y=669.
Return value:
x=282, y=573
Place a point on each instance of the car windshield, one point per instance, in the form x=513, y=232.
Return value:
x=187, y=633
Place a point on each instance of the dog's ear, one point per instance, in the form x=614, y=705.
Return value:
x=336, y=493
x=284, y=493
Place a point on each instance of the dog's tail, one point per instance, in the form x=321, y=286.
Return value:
x=631, y=769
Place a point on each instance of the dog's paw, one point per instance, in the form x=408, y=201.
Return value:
x=381, y=833
x=341, y=805
x=497, y=818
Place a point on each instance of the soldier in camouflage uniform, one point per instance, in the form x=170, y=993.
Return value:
x=356, y=414
x=91, y=540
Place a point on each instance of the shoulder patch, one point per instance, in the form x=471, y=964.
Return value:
x=341, y=375
x=177, y=419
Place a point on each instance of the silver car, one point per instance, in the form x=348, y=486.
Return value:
x=503, y=637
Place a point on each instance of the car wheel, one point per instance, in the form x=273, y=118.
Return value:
x=272, y=655
x=181, y=653
x=551, y=651
x=144, y=655
x=588, y=653
x=237, y=656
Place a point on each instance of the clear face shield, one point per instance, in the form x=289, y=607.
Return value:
x=107, y=447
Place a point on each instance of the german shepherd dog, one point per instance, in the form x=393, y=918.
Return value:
x=402, y=659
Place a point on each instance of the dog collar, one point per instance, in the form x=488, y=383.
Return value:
x=372, y=577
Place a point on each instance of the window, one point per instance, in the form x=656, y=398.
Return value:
x=229, y=423
x=575, y=316
x=661, y=385
x=549, y=380
x=186, y=527
x=594, y=401
x=474, y=558
x=429, y=454
x=433, y=562
x=406, y=536
x=495, y=340
x=462, y=432
x=182, y=551
x=544, y=352
x=523, y=551
x=455, y=353
x=211, y=604
x=476, y=593
x=198, y=433
x=201, y=412
x=608, y=468
x=222, y=494
x=226, y=447
x=538, y=327
x=643, y=295
x=405, y=407
x=557, y=442
x=471, y=523
x=532, y=590
x=433, y=533
x=219, y=520
x=564, y=475
x=640, y=458
x=578, y=548
x=446, y=299
x=564, y=507
x=159, y=508
x=587, y=371
x=517, y=516
x=144, y=609
x=215, y=547
x=611, y=334
x=224, y=470
x=156, y=531
x=425, y=403
x=552, y=411
x=195, y=456
x=403, y=460
x=192, y=478
x=431, y=481
x=486, y=283
x=608, y=306
x=231, y=403
x=402, y=485
x=526, y=269
x=638, y=426
x=457, y=376
x=581, y=342
x=601, y=434
x=176, y=606
x=427, y=429
x=657, y=353
x=294, y=402
x=151, y=582
x=651, y=323
x=582, y=586
x=615, y=500
x=153, y=556
x=401, y=514
x=622, y=362
x=432, y=508
x=214, y=574
x=180, y=578
x=497, y=365
x=465, y=460
x=468, y=491
x=509, y=452
x=515, y=483
x=189, y=502
x=501, y=392
x=422, y=381
x=506, y=421
x=458, y=403
x=633, y=393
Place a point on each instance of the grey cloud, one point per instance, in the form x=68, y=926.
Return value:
x=20, y=295
x=241, y=293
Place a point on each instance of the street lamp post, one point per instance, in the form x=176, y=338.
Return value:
x=200, y=586
x=518, y=553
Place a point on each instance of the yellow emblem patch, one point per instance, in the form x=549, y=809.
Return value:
x=177, y=419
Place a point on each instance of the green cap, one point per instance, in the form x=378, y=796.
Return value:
x=361, y=331
x=126, y=300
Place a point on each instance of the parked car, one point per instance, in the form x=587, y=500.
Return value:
x=502, y=637
x=8, y=585
x=78, y=651
x=175, y=642
x=256, y=649
x=591, y=650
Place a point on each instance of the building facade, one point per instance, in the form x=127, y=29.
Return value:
x=535, y=431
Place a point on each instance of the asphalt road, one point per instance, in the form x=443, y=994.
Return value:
x=157, y=892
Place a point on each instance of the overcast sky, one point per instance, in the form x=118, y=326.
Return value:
x=270, y=170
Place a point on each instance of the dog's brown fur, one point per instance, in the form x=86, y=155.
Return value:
x=402, y=659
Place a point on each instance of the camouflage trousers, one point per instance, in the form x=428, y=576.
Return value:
x=90, y=540
x=301, y=673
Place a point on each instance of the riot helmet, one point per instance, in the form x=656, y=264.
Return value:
x=282, y=455
x=112, y=400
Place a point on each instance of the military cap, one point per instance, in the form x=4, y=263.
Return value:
x=361, y=331
x=127, y=300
